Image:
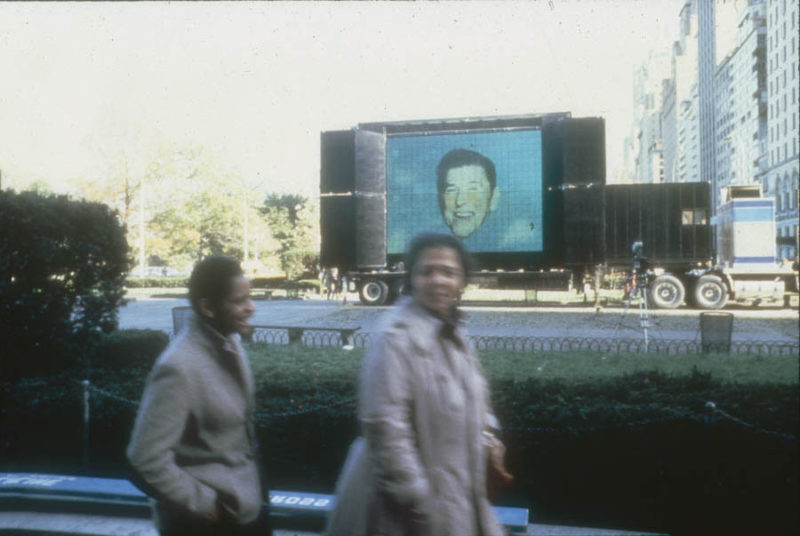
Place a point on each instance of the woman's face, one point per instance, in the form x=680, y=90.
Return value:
x=437, y=279
x=232, y=312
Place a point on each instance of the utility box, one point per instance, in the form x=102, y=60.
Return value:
x=716, y=330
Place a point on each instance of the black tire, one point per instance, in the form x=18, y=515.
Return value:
x=395, y=290
x=710, y=292
x=666, y=292
x=373, y=292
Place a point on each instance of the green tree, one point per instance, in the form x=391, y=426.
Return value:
x=206, y=224
x=180, y=203
x=205, y=210
x=294, y=222
x=126, y=180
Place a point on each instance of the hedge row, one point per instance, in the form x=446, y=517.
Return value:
x=628, y=445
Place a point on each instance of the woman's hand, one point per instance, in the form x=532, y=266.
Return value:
x=497, y=476
x=496, y=450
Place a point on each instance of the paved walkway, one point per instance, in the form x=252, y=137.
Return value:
x=773, y=325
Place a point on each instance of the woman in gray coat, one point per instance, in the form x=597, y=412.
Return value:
x=420, y=466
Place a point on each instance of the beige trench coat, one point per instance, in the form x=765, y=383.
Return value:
x=193, y=442
x=420, y=465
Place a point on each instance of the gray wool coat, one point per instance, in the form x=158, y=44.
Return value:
x=420, y=466
x=193, y=443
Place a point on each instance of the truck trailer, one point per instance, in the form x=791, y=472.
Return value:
x=528, y=197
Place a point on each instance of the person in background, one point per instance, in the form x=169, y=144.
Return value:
x=326, y=282
x=193, y=445
x=420, y=465
x=345, y=287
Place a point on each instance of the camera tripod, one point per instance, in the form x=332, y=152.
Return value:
x=637, y=289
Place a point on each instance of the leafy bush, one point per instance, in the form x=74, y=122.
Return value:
x=62, y=270
x=130, y=349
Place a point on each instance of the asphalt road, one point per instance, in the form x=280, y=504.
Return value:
x=761, y=324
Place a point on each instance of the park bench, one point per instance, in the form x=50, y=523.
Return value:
x=180, y=316
x=261, y=293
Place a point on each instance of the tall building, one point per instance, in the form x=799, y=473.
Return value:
x=669, y=129
x=781, y=178
x=689, y=138
x=646, y=141
x=706, y=68
x=741, y=103
x=687, y=113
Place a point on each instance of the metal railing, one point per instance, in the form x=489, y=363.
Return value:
x=324, y=337
x=706, y=340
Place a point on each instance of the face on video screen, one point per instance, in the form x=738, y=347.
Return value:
x=466, y=193
x=484, y=188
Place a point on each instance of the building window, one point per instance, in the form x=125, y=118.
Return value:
x=694, y=217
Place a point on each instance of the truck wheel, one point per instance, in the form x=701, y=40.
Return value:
x=666, y=292
x=395, y=290
x=710, y=292
x=374, y=292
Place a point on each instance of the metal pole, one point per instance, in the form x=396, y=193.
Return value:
x=85, y=422
x=644, y=318
x=246, y=237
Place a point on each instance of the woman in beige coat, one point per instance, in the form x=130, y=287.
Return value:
x=420, y=466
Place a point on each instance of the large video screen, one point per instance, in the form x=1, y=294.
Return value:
x=483, y=187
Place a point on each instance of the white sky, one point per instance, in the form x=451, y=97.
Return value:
x=255, y=83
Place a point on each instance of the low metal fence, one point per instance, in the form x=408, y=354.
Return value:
x=308, y=336
x=322, y=337
x=711, y=337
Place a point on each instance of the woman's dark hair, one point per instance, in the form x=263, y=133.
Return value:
x=424, y=241
x=211, y=279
